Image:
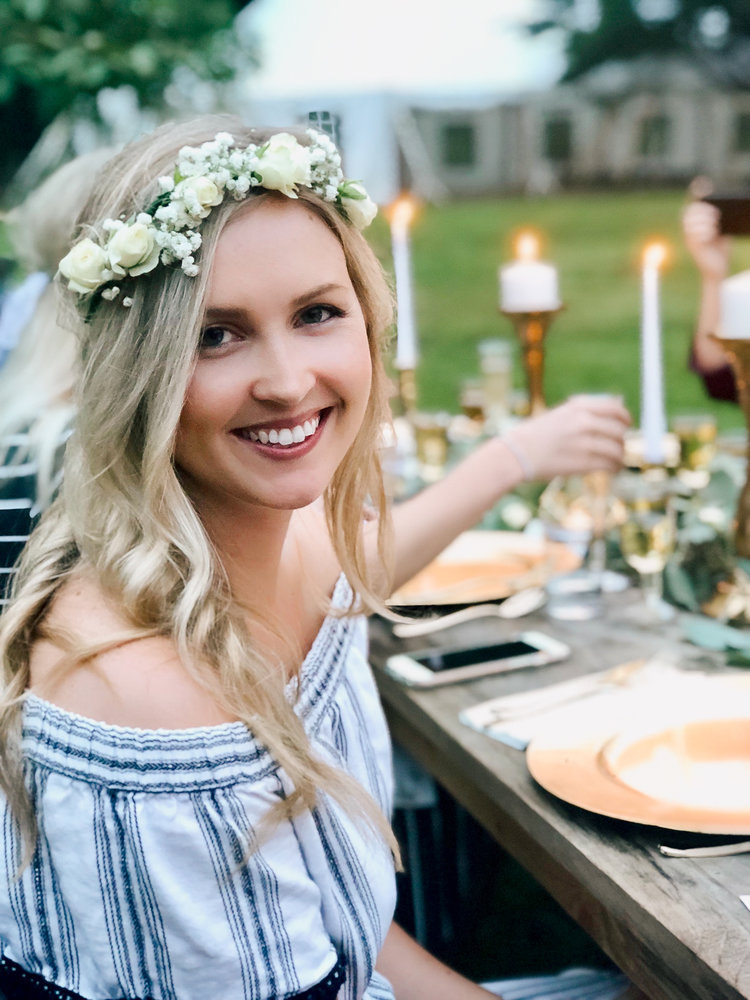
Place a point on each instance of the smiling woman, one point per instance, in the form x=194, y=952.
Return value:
x=194, y=765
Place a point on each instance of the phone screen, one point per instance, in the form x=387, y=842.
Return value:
x=441, y=659
x=734, y=209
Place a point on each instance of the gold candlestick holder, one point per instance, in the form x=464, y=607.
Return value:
x=531, y=328
x=407, y=390
x=738, y=352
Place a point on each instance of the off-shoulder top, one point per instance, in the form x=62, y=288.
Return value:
x=141, y=884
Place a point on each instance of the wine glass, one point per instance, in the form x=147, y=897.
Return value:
x=696, y=433
x=648, y=535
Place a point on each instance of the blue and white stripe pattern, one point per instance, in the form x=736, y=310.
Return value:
x=142, y=885
x=18, y=512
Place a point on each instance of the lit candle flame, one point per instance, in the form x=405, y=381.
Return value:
x=654, y=255
x=527, y=247
x=402, y=211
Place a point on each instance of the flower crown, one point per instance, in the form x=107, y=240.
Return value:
x=167, y=231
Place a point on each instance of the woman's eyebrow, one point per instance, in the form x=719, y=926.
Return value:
x=214, y=313
x=238, y=314
x=313, y=293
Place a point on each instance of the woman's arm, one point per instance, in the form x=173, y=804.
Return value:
x=710, y=251
x=581, y=435
x=416, y=975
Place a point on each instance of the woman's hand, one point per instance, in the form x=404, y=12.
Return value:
x=580, y=435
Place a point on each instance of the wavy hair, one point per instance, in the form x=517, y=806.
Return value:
x=125, y=515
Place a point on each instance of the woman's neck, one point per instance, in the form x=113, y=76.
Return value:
x=252, y=545
x=280, y=565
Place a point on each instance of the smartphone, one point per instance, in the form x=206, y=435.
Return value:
x=734, y=213
x=440, y=665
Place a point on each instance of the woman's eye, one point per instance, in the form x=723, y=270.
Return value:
x=214, y=336
x=319, y=314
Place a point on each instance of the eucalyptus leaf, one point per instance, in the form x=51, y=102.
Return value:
x=709, y=634
x=698, y=532
x=721, y=489
x=679, y=587
x=738, y=658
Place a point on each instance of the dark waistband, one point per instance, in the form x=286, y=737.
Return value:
x=18, y=984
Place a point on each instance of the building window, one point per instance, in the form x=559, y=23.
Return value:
x=459, y=145
x=655, y=136
x=557, y=142
x=742, y=132
x=324, y=121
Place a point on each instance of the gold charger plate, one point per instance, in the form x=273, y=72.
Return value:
x=485, y=566
x=658, y=775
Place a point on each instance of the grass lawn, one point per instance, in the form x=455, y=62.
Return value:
x=595, y=240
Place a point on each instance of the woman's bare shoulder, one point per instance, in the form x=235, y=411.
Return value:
x=137, y=682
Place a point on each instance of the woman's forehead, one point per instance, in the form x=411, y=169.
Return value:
x=277, y=242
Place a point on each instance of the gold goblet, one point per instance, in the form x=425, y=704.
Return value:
x=531, y=328
x=738, y=352
x=407, y=390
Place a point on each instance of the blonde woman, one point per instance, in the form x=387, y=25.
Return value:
x=195, y=767
x=36, y=382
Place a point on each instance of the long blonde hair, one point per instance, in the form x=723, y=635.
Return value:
x=125, y=514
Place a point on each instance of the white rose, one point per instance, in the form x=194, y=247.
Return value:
x=199, y=194
x=85, y=267
x=133, y=250
x=283, y=164
x=359, y=207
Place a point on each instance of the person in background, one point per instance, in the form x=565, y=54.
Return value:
x=710, y=251
x=195, y=771
x=36, y=378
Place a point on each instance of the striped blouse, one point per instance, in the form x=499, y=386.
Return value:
x=141, y=885
x=18, y=512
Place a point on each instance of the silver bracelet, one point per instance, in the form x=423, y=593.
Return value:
x=527, y=470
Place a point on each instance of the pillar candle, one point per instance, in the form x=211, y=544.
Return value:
x=401, y=214
x=527, y=284
x=653, y=418
x=735, y=307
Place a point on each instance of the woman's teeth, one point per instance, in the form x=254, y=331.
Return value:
x=285, y=435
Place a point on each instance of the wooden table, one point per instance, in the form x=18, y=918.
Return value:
x=676, y=927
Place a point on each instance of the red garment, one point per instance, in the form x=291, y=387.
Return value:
x=719, y=382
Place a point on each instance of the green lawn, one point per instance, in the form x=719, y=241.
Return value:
x=596, y=241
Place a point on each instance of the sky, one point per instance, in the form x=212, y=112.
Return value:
x=316, y=46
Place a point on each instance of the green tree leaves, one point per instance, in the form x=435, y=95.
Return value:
x=59, y=52
x=718, y=34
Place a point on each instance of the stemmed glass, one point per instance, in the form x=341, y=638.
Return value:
x=696, y=433
x=648, y=535
x=577, y=510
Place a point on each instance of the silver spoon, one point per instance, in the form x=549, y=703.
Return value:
x=523, y=602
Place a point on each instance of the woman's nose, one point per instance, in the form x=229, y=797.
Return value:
x=281, y=372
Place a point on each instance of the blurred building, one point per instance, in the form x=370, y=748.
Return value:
x=648, y=122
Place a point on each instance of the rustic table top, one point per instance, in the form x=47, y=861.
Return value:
x=676, y=926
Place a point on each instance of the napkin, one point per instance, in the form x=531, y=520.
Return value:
x=573, y=984
x=644, y=692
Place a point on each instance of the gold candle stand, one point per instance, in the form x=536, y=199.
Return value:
x=531, y=328
x=738, y=352
x=407, y=390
